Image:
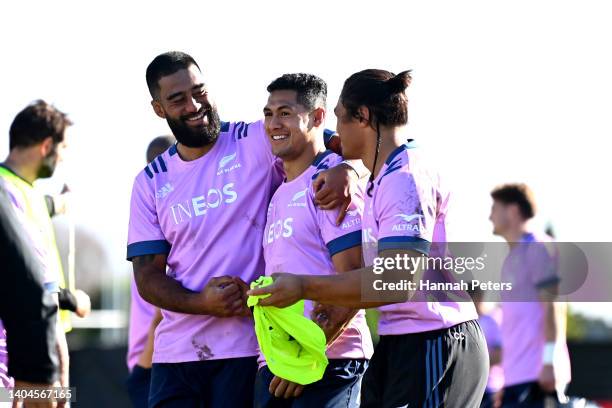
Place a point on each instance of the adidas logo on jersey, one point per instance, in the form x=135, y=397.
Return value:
x=164, y=190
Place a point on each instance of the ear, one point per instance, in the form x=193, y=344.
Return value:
x=364, y=117
x=318, y=117
x=46, y=146
x=158, y=109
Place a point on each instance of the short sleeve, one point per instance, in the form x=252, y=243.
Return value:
x=347, y=235
x=145, y=236
x=542, y=263
x=405, y=214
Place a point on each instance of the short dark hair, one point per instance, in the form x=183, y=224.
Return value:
x=382, y=92
x=519, y=194
x=35, y=123
x=166, y=64
x=311, y=90
x=159, y=145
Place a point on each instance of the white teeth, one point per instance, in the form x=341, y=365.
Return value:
x=197, y=117
x=279, y=137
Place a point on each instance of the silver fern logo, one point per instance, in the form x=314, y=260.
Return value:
x=226, y=159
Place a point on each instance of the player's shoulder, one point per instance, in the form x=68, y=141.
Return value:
x=323, y=161
x=241, y=131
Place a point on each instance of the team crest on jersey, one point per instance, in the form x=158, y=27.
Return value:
x=299, y=199
x=228, y=164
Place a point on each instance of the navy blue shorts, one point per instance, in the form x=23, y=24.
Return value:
x=339, y=388
x=440, y=368
x=138, y=384
x=203, y=384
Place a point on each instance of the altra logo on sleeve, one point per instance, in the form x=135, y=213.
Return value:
x=406, y=226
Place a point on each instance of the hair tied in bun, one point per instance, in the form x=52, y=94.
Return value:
x=399, y=82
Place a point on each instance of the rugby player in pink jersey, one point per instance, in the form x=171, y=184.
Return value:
x=535, y=358
x=301, y=237
x=431, y=353
x=197, y=219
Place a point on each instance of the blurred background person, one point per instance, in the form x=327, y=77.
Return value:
x=144, y=318
x=37, y=139
x=27, y=310
x=535, y=358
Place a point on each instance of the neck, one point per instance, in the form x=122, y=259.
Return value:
x=193, y=153
x=24, y=164
x=294, y=167
x=390, y=139
x=514, y=235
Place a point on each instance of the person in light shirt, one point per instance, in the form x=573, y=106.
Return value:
x=535, y=358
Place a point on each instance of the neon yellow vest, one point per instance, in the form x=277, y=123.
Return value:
x=36, y=212
x=293, y=345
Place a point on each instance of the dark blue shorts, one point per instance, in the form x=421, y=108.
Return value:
x=339, y=388
x=203, y=384
x=138, y=384
x=441, y=368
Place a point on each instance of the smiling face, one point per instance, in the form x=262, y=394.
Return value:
x=289, y=124
x=184, y=102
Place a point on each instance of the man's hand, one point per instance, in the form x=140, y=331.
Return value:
x=334, y=188
x=83, y=303
x=281, y=388
x=547, y=378
x=23, y=385
x=225, y=296
x=332, y=319
x=285, y=291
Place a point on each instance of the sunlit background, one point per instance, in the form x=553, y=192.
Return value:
x=502, y=91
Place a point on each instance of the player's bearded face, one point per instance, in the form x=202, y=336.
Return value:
x=197, y=135
x=48, y=164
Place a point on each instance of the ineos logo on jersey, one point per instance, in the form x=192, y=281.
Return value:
x=225, y=161
x=281, y=228
x=198, y=206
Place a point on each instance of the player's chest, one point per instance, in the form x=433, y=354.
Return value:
x=290, y=217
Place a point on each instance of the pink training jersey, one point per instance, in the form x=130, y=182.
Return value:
x=530, y=266
x=141, y=316
x=208, y=216
x=301, y=238
x=407, y=210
